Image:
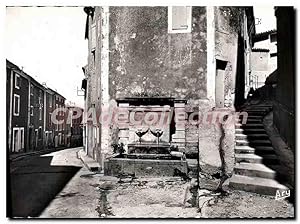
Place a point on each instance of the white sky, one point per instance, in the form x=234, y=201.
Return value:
x=49, y=43
x=267, y=18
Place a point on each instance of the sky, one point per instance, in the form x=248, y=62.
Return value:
x=48, y=42
x=266, y=16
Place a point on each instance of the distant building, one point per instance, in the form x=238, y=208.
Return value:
x=36, y=115
x=29, y=106
x=263, y=57
x=59, y=129
x=74, y=128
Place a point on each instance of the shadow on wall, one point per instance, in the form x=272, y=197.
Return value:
x=33, y=187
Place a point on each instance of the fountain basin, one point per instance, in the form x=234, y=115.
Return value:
x=145, y=167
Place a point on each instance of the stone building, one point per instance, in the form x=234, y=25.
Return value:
x=171, y=61
x=29, y=106
x=263, y=57
x=74, y=128
x=17, y=87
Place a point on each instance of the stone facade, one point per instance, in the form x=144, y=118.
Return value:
x=263, y=57
x=134, y=58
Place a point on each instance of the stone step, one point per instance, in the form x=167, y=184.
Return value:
x=256, y=113
x=254, y=110
x=251, y=121
x=254, y=170
x=259, y=117
x=249, y=126
x=248, y=158
x=253, y=158
x=255, y=184
x=259, y=142
x=259, y=150
x=254, y=131
x=251, y=136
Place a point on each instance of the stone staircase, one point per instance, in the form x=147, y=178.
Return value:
x=254, y=155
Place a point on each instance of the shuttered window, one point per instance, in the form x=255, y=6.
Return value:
x=179, y=19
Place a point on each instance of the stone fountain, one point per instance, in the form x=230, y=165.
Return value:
x=148, y=147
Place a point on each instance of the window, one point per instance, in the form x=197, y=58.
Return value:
x=31, y=89
x=56, y=106
x=40, y=113
x=17, y=81
x=16, y=105
x=50, y=115
x=179, y=19
x=40, y=133
x=31, y=110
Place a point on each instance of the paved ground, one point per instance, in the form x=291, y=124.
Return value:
x=57, y=185
x=240, y=204
x=36, y=180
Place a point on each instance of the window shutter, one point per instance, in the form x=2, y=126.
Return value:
x=179, y=17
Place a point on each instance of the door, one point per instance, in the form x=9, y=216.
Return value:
x=18, y=139
x=36, y=137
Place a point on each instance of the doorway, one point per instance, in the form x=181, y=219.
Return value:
x=18, y=139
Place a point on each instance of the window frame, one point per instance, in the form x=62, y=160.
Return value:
x=40, y=113
x=188, y=20
x=17, y=76
x=31, y=110
x=31, y=89
x=16, y=96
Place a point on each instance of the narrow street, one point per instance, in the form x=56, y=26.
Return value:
x=37, y=180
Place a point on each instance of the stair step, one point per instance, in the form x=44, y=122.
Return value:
x=254, y=170
x=246, y=131
x=259, y=150
x=248, y=158
x=259, y=110
x=249, y=126
x=255, y=184
x=259, y=117
x=259, y=142
x=251, y=121
x=256, y=113
x=269, y=159
x=251, y=136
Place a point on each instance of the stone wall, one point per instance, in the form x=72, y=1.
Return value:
x=284, y=107
x=144, y=57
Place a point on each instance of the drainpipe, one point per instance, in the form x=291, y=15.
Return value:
x=45, y=111
x=28, y=114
